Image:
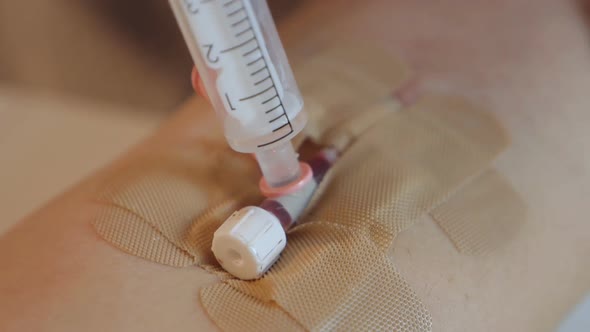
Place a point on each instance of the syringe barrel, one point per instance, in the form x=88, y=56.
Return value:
x=244, y=69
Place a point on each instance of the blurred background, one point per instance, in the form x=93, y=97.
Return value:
x=113, y=51
x=122, y=52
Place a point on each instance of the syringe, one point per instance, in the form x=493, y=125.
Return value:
x=247, y=77
x=245, y=72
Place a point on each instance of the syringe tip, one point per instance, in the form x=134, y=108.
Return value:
x=279, y=165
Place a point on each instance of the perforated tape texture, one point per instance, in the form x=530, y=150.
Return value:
x=335, y=273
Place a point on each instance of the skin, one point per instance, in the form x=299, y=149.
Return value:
x=527, y=61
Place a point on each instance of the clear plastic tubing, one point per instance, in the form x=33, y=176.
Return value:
x=245, y=72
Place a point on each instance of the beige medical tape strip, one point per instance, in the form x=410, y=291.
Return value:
x=335, y=273
x=169, y=190
x=233, y=310
x=134, y=235
x=331, y=278
x=483, y=215
x=343, y=81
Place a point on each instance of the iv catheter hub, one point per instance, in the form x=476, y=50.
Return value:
x=249, y=242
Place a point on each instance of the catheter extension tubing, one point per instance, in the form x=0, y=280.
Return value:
x=288, y=208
